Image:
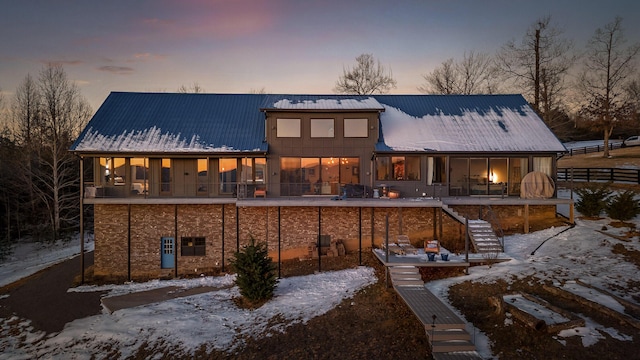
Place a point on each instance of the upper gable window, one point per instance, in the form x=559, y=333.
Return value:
x=322, y=128
x=288, y=128
x=356, y=128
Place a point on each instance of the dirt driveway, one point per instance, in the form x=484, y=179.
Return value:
x=43, y=297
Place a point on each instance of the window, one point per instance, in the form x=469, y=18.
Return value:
x=193, y=246
x=227, y=171
x=165, y=176
x=398, y=168
x=139, y=176
x=203, y=177
x=436, y=170
x=288, y=128
x=543, y=164
x=322, y=128
x=317, y=176
x=356, y=128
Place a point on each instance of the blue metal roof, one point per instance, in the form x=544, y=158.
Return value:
x=169, y=122
x=220, y=123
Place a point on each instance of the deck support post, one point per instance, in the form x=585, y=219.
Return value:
x=466, y=244
x=526, y=218
x=82, y=221
x=279, y=244
x=222, y=235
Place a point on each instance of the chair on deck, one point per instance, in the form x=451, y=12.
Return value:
x=404, y=242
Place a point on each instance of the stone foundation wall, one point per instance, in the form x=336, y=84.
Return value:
x=298, y=228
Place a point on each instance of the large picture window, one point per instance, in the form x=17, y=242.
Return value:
x=193, y=246
x=322, y=128
x=356, y=128
x=288, y=128
x=398, y=168
x=317, y=176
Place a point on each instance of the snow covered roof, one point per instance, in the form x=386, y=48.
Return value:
x=463, y=123
x=226, y=123
x=168, y=122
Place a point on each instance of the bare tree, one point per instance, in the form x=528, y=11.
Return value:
x=25, y=107
x=474, y=74
x=538, y=66
x=608, y=66
x=367, y=77
x=195, y=88
x=51, y=170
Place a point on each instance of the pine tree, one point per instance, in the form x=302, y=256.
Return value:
x=256, y=276
x=623, y=206
x=593, y=199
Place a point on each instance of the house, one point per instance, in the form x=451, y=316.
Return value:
x=179, y=182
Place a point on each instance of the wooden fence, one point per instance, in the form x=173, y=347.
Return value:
x=593, y=148
x=617, y=175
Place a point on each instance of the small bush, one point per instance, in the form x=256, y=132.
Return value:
x=256, y=275
x=593, y=199
x=623, y=206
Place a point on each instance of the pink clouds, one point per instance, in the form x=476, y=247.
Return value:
x=217, y=19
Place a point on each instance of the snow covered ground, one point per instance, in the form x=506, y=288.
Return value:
x=212, y=319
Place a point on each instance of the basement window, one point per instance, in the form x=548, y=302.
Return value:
x=193, y=246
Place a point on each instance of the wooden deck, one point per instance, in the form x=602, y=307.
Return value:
x=446, y=330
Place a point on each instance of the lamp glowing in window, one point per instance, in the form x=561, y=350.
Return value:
x=493, y=177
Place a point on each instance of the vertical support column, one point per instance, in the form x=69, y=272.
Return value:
x=441, y=225
x=571, y=214
x=319, y=235
x=360, y=235
x=435, y=225
x=222, y=233
x=129, y=242
x=526, y=218
x=372, y=225
x=279, y=244
x=386, y=257
x=82, y=221
x=466, y=244
x=237, y=228
x=175, y=241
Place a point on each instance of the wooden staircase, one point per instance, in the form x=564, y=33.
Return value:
x=443, y=327
x=483, y=237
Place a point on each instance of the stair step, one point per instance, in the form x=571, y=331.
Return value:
x=406, y=277
x=408, y=282
x=414, y=270
x=452, y=334
x=452, y=346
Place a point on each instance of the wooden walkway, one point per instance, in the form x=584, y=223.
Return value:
x=446, y=331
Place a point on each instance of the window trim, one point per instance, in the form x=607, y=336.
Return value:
x=366, y=128
x=198, y=246
x=281, y=122
x=330, y=133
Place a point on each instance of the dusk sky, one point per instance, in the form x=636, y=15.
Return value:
x=283, y=46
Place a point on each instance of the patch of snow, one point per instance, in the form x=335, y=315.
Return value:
x=472, y=131
x=152, y=139
x=534, y=309
x=211, y=319
x=369, y=103
x=28, y=258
